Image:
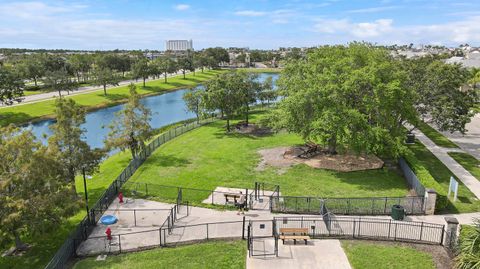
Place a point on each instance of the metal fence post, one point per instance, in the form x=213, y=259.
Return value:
x=243, y=228
x=389, y=228
x=135, y=216
x=119, y=244
x=421, y=231
x=160, y=235
x=207, y=231
x=354, y=224
x=385, y=208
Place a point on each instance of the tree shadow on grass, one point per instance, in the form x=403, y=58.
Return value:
x=167, y=160
x=114, y=96
x=13, y=117
x=374, y=180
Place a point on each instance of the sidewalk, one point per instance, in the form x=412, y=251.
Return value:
x=458, y=171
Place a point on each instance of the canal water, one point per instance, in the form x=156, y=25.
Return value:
x=166, y=109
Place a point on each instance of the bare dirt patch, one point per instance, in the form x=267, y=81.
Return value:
x=252, y=129
x=284, y=157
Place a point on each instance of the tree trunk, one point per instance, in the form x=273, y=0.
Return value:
x=19, y=245
x=35, y=80
x=332, y=145
x=59, y=93
x=228, y=125
x=183, y=74
x=246, y=115
x=165, y=76
x=105, y=89
x=144, y=82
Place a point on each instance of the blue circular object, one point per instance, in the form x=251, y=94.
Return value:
x=108, y=219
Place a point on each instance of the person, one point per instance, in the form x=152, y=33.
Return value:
x=241, y=204
x=120, y=198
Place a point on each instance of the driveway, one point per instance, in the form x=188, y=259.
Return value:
x=470, y=142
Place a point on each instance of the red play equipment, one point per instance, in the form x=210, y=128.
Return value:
x=120, y=197
x=108, y=232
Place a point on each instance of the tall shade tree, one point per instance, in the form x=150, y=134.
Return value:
x=193, y=101
x=34, y=198
x=104, y=77
x=185, y=64
x=165, y=66
x=32, y=67
x=11, y=86
x=441, y=97
x=59, y=81
x=131, y=127
x=67, y=144
x=221, y=93
x=351, y=98
x=141, y=69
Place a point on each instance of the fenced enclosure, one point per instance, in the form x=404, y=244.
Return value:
x=85, y=227
x=138, y=239
x=346, y=206
x=169, y=194
x=367, y=228
x=411, y=178
x=262, y=235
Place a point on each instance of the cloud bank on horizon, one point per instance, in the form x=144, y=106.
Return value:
x=124, y=24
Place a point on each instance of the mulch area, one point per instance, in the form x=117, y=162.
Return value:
x=284, y=157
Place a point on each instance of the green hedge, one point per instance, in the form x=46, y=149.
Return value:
x=428, y=181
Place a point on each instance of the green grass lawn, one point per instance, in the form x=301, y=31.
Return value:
x=219, y=254
x=466, y=202
x=437, y=138
x=468, y=162
x=368, y=255
x=27, y=112
x=208, y=157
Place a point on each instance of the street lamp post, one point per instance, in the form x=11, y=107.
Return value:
x=86, y=195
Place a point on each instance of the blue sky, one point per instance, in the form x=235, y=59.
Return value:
x=124, y=24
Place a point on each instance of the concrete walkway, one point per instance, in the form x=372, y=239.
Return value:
x=472, y=183
x=319, y=254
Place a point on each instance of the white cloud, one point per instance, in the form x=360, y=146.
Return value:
x=372, y=9
x=358, y=30
x=385, y=32
x=250, y=13
x=182, y=7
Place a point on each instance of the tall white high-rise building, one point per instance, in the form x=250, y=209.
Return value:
x=178, y=45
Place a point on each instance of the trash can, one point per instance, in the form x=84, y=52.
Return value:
x=410, y=138
x=398, y=212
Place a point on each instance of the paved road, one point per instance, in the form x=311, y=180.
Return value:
x=470, y=142
x=82, y=90
x=472, y=183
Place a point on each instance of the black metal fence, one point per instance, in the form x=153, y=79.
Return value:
x=265, y=233
x=346, y=206
x=85, y=227
x=367, y=228
x=169, y=193
x=411, y=178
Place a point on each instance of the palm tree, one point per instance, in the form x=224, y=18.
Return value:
x=469, y=247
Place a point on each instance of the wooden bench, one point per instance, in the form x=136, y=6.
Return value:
x=294, y=234
x=235, y=196
x=312, y=149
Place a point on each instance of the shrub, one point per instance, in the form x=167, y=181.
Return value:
x=428, y=181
